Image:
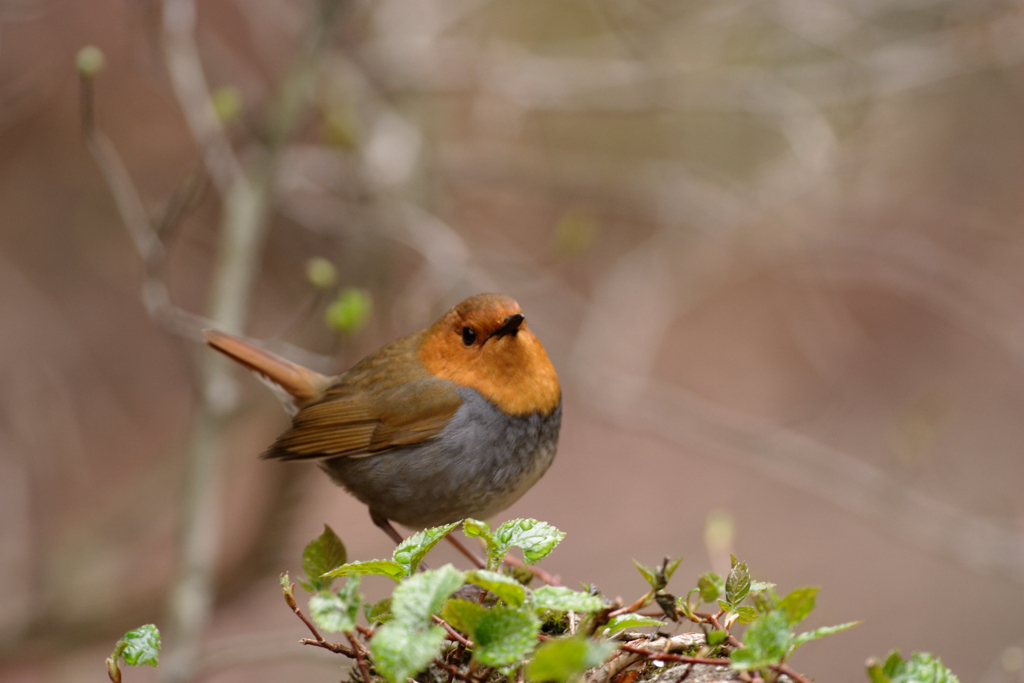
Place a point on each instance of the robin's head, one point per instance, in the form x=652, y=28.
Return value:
x=484, y=344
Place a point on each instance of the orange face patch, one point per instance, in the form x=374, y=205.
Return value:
x=470, y=347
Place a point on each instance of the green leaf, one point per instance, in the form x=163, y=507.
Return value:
x=474, y=527
x=737, y=585
x=504, y=636
x=378, y=612
x=412, y=550
x=649, y=574
x=746, y=614
x=505, y=587
x=565, y=600
x=716, y=638
x=624, y=621
x=561, y=660
x=799, y=603
x=766, y=642
x=711, y=586
x=401, y=651
x=463, y=614
x=875, y=672
x=321, y=555
x=724, y=606
x=336, y=612
x=388, y=568
x=139, y=647
x=808, y=636
x=759, y=586
x=923, y=667
x=421, y=595
x=536, y=539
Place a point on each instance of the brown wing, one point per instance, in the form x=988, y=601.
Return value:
x=384, y=402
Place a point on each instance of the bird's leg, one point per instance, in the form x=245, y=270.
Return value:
x=470, y=555
x=383, y=524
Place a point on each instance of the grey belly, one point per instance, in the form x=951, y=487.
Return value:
x=481, y=463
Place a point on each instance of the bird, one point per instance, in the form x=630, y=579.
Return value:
x=454, y=421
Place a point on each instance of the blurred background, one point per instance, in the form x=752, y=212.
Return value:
x=773, y=248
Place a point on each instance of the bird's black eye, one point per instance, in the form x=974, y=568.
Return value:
x=468, y=336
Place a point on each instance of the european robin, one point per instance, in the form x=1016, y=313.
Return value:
x=457, y=420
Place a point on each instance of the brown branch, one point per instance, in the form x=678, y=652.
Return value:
x=363, y=670
x=670, y=657
x=455, y=635
x=641, y=602
x=317, y=639
x=785, y=669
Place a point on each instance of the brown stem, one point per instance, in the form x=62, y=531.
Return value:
x=317, y=639
x=363, y=670
x=631, y=608
x=336, y=648
x=785, y=669
x=455, y=635
x=669, y=657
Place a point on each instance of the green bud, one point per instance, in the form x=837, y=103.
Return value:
x=575, y=232
x=89, y=61
x=350, y=311
x=321, y=273
x=227, y=103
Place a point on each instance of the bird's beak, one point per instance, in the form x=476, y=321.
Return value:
x=510, y=325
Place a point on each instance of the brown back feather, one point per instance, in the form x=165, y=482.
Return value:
x=386, y=401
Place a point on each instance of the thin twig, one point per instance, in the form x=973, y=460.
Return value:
x=363, y=670
x=670, y=657
x=455, y=635
x=785, y=669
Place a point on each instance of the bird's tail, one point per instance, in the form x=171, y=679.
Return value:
x=293, y=384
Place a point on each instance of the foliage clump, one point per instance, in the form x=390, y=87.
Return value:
x=489, y=625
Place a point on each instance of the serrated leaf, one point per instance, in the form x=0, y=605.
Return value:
x=624, y=621
x=711, y=586
x=505, y=636
x=922, y=667
x=321, y=555
x=766, y=642
x=536, y=539
x=746, y=614
x=421, y=595
x=140, y=646
x=875, y=672
x=716, y=638
x=338, y=611
x=411, y=551
x=560, y=660
x=821, y=632
x=758, y=586
x=566, y=600
x=463, y=614
x=331, y=613
x=724, y=606
x=474, y=527
x=379, y=612
x=505, y=587
x=737, y=585
x=401, y=651
x=648, y=574
x=388, y=568
x=799, y=603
